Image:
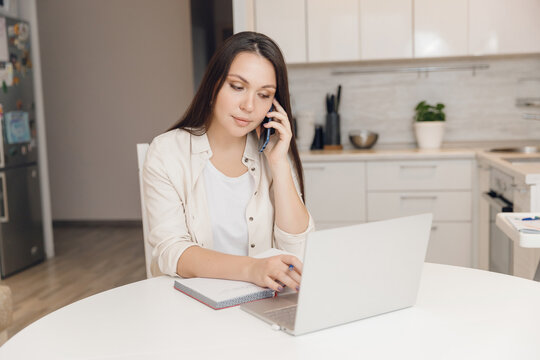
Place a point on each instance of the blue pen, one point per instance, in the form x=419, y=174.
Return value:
x=531, y=218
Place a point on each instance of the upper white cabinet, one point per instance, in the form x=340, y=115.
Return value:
x=504, y=26
x=386, y=29
x=333, y=30
x=285, y=22
x=440, y=28
x=353, y=30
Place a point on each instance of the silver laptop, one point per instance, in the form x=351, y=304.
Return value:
x=351, y=273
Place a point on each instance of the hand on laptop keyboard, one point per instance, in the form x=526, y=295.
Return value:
x=275, y=271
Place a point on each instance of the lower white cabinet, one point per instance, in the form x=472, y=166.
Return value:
x=335, y=191
x=445, y=206
x=450, y=244
x=340, y=193
x=323, y=225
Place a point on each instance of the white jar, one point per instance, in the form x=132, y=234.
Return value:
x=305, y=124
x=429, y=134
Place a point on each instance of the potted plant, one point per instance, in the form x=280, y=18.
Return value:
x=429, y=125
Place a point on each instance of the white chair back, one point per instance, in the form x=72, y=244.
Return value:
x=141, y=155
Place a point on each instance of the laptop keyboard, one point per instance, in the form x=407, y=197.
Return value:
x=284, y=316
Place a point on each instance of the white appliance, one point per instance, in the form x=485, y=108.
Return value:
x=500, y=199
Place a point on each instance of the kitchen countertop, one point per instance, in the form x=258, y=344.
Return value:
x=529, y=173
x=385, y=154
x=523, y=172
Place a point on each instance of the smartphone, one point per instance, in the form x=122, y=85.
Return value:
x=265, y=132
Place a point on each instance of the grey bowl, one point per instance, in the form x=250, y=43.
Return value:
x=363, y=139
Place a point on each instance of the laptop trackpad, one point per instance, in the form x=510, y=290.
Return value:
x=271, y=304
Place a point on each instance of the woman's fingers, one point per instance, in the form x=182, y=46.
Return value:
x=279, y=271
x=279, y=128
x=288, y=281
x=272, y=284
x=278, y=106
x=294, y=261
x=280, y=113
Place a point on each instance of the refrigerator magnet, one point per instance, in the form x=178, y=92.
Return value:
x=24, y=32
x=9, y=77
x=17, y=127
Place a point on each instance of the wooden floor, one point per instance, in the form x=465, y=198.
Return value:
x=88, y=260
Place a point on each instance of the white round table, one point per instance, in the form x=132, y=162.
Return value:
x=460, y=313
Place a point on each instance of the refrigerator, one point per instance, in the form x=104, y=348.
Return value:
x=21, y=231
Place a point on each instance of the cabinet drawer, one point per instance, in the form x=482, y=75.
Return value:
x=419, y=175
x=450, y=244
x=335, y=192
x=445, y=206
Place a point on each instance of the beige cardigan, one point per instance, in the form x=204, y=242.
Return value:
x=176, y=204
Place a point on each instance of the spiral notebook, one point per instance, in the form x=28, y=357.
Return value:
x=220, y=294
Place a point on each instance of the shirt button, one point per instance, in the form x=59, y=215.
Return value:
x=245, y=160
x=252, y=245
x=251, y=218
x=252, y=169
x=255, y=193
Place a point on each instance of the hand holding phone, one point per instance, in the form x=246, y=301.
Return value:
x=265, y=132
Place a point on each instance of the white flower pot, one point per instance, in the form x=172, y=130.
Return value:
x=429, y=134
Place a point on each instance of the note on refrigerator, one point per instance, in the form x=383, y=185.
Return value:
x=17, y=127
x=4, y=53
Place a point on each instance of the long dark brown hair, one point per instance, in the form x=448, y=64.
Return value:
x=197, y=117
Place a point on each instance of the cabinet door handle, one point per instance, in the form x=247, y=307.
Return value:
x=4, y=215
x=434, y=227
x=418, y=197
x=2, y=157
x=314, y=167
x=418, y=166
x=519, y=188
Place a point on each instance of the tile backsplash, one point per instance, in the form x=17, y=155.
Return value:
x=479, y=107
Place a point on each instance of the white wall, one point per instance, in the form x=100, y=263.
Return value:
x=480, y=107
x=115, y=73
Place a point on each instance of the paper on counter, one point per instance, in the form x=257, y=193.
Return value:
x=525, y=226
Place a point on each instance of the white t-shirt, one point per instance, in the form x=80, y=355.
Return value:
x=227, y=199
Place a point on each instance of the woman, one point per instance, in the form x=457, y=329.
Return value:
x=212, y=199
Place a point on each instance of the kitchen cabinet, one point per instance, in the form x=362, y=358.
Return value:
x=333, y=30
x=420, y=175
x=353, y=30
x=340, y=193
x=335, y=193
x=445, y=205
x=483, y=215
x=441, y=187
x=450, y=243
x=289, y=32
x=386, y=29
x=504, y=27
x=440, y=28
